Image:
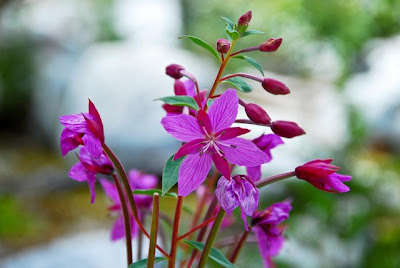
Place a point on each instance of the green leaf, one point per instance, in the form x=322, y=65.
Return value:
x=180, y=101
x=170, y=174
x=230, y=24
x=239, y=83
x=209, y=102
x=252, y=62
x=203, y=44
x=153, y=191
x=251, y=32
x=143, y=262
x=233, y=33
x=215, y=254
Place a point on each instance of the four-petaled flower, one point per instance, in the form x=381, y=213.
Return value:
x=185, y=88
x=209, y=138
x=266, y=143
x=269, y=234
x=87, y=168
x=322, y=175
x=137, y=181
x=82, y=129
x=235, y=192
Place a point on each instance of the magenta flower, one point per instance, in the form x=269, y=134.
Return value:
x=87, y=168
x=82, y=129
x=137, y=180
x=322, y=175
x=238, y=191
x=266, y=143
x=269, y=234
x=210, y=139
x=186, y=88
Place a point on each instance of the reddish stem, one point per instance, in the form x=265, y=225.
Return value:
x=197, y=228
x=127, y=224
x=174, y=242
x=249, y=76
x=239, y=246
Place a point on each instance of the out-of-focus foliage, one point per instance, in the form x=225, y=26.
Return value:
x=344, y=25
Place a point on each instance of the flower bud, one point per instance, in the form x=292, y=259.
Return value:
x=287, y=129
x=275, y=87
x=179, y=88
x=257, y=114
x=245, y=19
x=270, y=45
x=174, y=70
x=223, y=45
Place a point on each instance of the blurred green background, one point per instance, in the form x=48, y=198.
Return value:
x=350, y=48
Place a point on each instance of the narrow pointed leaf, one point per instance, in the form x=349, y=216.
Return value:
x=252, y=62
x=239, y=83
x=230, y=24
x=209, y=102
x=170, y=174
x=203, y=44
x=143, y=263
x=251, y=32
x=215, y=254
x=233, y=34
x=153, y=191
x=180, y=101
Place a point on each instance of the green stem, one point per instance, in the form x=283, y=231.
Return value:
x=272, y=179
x=154, y=231
x=174, y=240
x=239, y=246
x=211, y=238
x=127, y=224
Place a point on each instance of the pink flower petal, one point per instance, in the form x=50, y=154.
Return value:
x=182, y=127
x=193, y=172
x=118, y=230
x=204, y=122
x=68, y=141
x=76, y=122
x=78, y=172
x=93, y=145
x=232, y=132
x=243, y=153
x=254, y=173
x=222, y=165
x=111, y=191
x=224, y=110
x=189, y=148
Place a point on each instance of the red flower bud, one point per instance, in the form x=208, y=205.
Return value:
x=270, y=45
x=275, y=87
x=287, y=129
x=257, y=114
x=223, y=45
x=174, y=70
x=245, y=19
x=179, y=88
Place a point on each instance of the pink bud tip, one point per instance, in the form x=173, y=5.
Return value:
x=174, y=70
x=275, y=87
x=223, y=45
x=270, y=45
x=287, y=129
x=245, y=19
x=257, y=114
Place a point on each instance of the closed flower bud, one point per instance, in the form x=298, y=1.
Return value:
x=257, y=114
x=174, y=70
x=287, y=129
x=275, y=87
x=245, y=19
x=223, y=45
x=179, y=88
x=270, y=45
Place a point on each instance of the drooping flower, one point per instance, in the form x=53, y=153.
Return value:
x=185, y=88
x=209, y=138
x=82, y=129
x=137, y=180
x=266, y=143
x=87, y=168
x=322, y=175
x=235, y=192
x=269, y=234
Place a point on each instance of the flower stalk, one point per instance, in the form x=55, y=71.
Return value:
x=275, y=178
x=239, y=246
x=154, y=230
x=174, y=239
x=127, y=224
